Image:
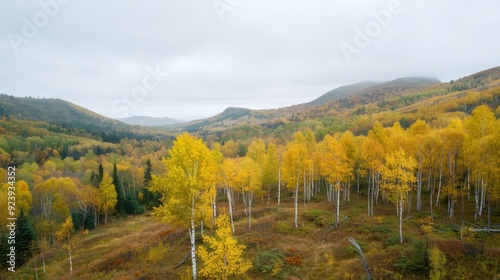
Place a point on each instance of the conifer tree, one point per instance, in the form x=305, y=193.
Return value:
x=147, y=173
x=101, y=173
x=120, y=196
x=25, y=236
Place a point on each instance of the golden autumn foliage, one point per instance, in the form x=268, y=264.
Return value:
x=64, y=234
x=222, y=257
x=158, y=253
x=191, y=175
x=398, y=176
x=23, y=197
x=108, y=196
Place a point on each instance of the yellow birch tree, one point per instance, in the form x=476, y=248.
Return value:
x=191, y=176
x=108, y=196
x=397, y=174
x=222, y=258
x=336, y=167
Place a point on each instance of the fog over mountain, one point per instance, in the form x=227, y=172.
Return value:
x=190, y=59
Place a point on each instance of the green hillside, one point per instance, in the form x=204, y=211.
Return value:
x=68, y=118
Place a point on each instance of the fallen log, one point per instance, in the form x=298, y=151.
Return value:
x=484, y=229
x=183, y=260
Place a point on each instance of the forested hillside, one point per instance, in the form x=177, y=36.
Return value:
x=404, y=100
x=395, y=182
x=67, y=118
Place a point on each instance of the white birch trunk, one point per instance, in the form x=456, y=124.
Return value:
x=296, y=203
x=279, y=186
x=229, y=200
x=193, y=245
x=368, y=192
x=419, y=188
x=401, y=218
x=70, y=264
x=338, y=205
x=439, y=186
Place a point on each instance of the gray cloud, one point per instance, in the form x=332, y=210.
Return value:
x=264, y=54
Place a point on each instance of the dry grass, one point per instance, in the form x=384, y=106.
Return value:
x=119, y=250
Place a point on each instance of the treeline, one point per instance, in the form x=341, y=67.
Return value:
x=31, y=141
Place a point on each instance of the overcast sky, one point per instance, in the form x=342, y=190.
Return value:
x=112, y=56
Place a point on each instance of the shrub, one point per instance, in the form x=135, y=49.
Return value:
x=255, y=241
x=320, y=218
x=381, y=231
x=294, y=260
x=283, y=228
x=437, y=261
x=266, y=261
x=417, y=263
x=301, y=231
x=392, y=240
x=158, y=253
x=281, y=215
x=313, y=214
x=455, y=249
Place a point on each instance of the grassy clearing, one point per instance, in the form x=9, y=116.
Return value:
x=315, y=250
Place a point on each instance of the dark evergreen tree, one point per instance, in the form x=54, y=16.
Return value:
x=25, y=236
x=101, y=172
x=4, y=250
x=147, y=173
x=120, y=204
x=132, y=205
x=94, y=179
x=79, y=222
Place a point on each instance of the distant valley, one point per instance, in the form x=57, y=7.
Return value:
x=150, y=121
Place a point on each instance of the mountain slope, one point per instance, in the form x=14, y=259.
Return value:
x=71, y=118
x=55, y=111
x=369, y=87
x=342, y=92
x=353, y=111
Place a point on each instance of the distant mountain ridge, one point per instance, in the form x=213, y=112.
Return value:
x=150, y=121
x=55, y=111
x=342, y=92
x=369, y=86
x=69, y=118
x=352, y=100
